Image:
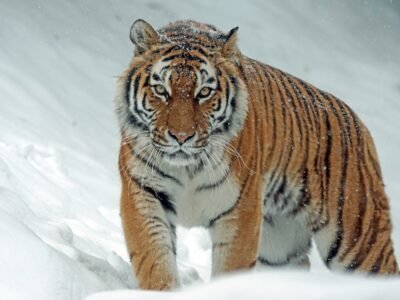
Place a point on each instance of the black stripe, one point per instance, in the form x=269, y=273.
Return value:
x=158, y=258
x=148, y=112
x=221, y=244
x=335, y=246
x=378, y=263
x=275, y=174
x=326, y=161
x=361, y=255
x=185, y=56
x=218, y=87
x=156, y=77
x=184, y=47
x=157, y=170
x=269, y=220
x=283, y=107
x=291, y=144
x=171, y=49
x=318, y=162
x=298, y=122
x=227, y=123
x=325, y=164
x=281, y=190
x=362, y=199
x=139, y=112
x=210, y=80
x=388, y=256
x=221, y=118
x=136, y=87
x=154, y=167
x=213, y=185
x=300, y=98
x=198, y=168
x=266, y=262
x=173, y=238
x=204, y=72
x=163, y=197
x=154, y=222
x=294, y=96
x=227, y=91
x=289, y=257
x=195, y=48
x=271, y=184
x=305, y=195
x=136, y=123
x=345, y=115
x=272, y=102
x=218, y=107
x=128, y=85
x=133, y=120
x=140, y=264
x=227, y=96
x=219, y=216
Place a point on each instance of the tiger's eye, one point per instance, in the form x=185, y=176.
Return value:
x=205, y=92
x=159, y=89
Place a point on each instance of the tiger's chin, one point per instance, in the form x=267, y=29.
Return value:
x=181, y=159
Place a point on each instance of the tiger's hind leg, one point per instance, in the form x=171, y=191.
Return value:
x=285, y=242
x=364, y=247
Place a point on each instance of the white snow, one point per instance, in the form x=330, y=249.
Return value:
x=273, y=285
x=60, y=233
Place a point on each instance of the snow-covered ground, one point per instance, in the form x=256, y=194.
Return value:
x=274, y=286
x=60, y=233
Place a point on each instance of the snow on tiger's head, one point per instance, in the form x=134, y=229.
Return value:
x=182, y=94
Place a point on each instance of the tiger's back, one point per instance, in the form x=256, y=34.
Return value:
x=280, y=161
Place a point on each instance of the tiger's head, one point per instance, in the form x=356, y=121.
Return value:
x=182, y=98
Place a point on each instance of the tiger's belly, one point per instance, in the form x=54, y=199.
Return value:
x=202, y=198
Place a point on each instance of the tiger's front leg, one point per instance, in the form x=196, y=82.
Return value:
x=236, y=233
x=149, y=236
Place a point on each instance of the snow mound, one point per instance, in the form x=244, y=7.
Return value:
x=274, y=285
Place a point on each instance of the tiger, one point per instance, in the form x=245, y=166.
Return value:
x=263, y=160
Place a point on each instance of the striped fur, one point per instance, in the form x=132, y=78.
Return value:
x=261, y=158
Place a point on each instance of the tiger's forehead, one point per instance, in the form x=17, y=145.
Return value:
x=197, y=71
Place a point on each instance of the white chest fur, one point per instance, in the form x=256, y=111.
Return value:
x=196, y=206
x=203, y=197
x=196, y=197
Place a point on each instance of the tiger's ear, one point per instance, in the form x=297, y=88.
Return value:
x=229, y=49
x=143, y=35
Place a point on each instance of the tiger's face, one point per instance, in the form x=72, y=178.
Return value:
x=187, y=107
x=184, y=103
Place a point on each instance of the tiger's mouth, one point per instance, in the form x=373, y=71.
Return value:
x=181, y=158
x=179, y=155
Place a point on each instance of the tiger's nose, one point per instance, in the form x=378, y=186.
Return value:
x=181, y=136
